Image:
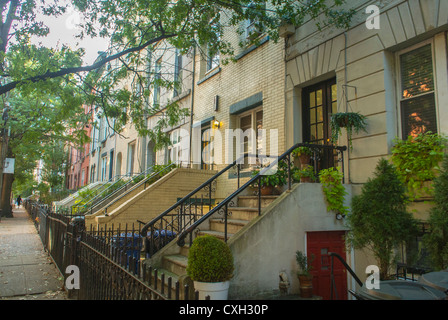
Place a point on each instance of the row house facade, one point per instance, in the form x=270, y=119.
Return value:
x=291, y=88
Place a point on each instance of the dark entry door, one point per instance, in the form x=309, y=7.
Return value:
x=319, y=244
x=319, y=102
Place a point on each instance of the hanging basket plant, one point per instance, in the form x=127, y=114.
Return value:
x=353, y=122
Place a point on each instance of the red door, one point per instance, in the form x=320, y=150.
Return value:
x=320, y=244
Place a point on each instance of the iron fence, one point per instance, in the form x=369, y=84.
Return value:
x=109, y=260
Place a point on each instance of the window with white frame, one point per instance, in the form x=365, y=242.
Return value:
x=417, y=91
x=104, y=168
x=175, y=147
x=253, y=27
x=213, y=58
x=131, y=158
x=252, y=121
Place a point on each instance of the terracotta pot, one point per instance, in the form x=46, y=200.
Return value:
x=306, y=286
x=267, y=190
x=304, y=159
x=305, y=179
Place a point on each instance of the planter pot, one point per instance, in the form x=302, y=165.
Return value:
x=267, y=190
x=216, y=290
x=306, y=286
x=306, y=179
x=304, y=159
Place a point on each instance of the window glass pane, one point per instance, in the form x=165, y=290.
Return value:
x=312, y=99
x=246, y=122
x=319, y=97
x=313, y=115
x=313, y=133
x=259, y=120
x=418, y=115
x=320, y=114
x=334, y=92
x=416, y=72
x=320, y=131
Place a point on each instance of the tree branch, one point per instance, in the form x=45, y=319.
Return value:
x=65, y=71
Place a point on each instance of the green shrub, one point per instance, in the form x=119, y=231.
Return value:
x=436, y=240
x=210, y=260
x=417, y=160
x=379, y=219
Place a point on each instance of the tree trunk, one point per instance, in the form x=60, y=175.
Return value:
x=8, y=179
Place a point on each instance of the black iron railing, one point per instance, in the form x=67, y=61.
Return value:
x=109, y=260
x=181, y=219
x=283, y=162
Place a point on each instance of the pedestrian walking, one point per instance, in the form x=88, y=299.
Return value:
x=19, y=201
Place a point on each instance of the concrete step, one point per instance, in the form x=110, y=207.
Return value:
x=175, y=263
x=233, y=225
x=243, y=213
x=252, y=201
x=217, y=234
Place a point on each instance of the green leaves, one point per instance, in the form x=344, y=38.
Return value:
x=334, y=190
x=417, y=161
x=379, y=218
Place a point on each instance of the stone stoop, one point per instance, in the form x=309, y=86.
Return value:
x=174, y=264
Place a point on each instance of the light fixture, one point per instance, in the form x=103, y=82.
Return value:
x=216, y=124
x=339, y=216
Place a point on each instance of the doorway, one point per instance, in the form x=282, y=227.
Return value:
x=319, y=245
x=318, y=103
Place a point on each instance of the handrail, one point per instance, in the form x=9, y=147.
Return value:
x=332, y=284
x=189, y=195
x=103, y=188
x=257, y=177
x=138, y=184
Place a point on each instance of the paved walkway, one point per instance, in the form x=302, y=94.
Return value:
x=26, y=270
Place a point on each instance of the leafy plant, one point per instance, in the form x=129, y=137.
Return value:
x=307, y=172
x=334, y=191
x=304, y=263
x=278, y=178
x=379, y=219
x=210, y=260
x=417, y=160
x=302, y=151
x=353, y=122
x=436, y=241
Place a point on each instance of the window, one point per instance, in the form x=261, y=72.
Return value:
x=417, y=92
x=103, y=168
x=212, y=58
x=92, y=174
x=178, y=65
x=206, y=147
x=252, y=121
x=175, y=147
x=131, y=157
x=157, y=79
x=253, y=27
x=318, y=103
x=83, y=175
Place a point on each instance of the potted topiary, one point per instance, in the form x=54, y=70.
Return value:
x=351, y=121
x=210, y=266
x=304, y=275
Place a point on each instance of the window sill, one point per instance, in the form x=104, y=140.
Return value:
x=209, y=74
x=251, y=48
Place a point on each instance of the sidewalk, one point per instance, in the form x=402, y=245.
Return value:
x=26, y=270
